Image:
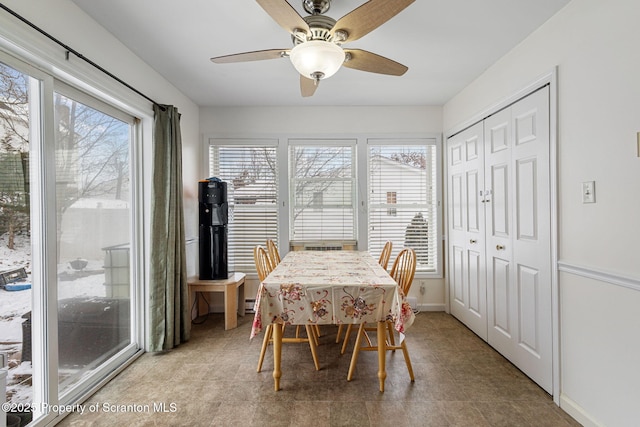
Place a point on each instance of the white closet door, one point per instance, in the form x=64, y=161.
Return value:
x=499, y=248
x=500, y=266
x=466, y=229
x=518, y=236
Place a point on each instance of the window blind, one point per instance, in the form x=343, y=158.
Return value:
x=403, y=199
x=322, y=189
x=251, y=173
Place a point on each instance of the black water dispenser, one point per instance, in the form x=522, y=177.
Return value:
x=214, y=213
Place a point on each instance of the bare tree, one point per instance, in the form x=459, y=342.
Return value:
x=412, y=158
x=316, y=170
x=92, y=152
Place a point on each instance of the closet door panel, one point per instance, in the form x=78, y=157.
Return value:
x=532, y=237
x=456, y=279
x=467, y=262
x=500, y=280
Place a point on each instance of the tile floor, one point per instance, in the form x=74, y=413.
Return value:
x=212, y=381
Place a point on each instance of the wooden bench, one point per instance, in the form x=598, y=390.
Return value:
x=233, y=289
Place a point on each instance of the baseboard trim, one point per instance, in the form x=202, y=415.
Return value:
x=577, y=413
x=431, y=307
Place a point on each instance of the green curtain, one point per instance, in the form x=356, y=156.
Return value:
x=169, y=295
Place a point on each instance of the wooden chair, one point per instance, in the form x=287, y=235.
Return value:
x=263, y=264
x=403, y=271
x=385, y=255
x=274, y=254
x=264, y=267
x=383, y=261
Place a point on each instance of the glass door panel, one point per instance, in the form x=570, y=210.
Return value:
x=93, y=208
x=15, y=236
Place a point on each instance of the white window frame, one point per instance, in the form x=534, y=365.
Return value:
x=353, y=178
x=408, y=140
x=361, y=163
x=250, y=142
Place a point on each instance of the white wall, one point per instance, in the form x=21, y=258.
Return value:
x=330, y=121
x=594, y=44
x=320, y=120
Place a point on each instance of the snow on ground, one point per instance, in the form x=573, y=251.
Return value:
x=14, y=304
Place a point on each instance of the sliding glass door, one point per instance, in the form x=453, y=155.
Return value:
x=93, y=224
x=68, y=312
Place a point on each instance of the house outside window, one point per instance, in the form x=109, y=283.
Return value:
x=322, y=190
x=402, y=189
x=250, y=169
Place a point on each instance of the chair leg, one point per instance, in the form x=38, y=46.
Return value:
x=405, y=351
x=312, y=344
x=392, y=339
x=347, y=334
x=339, y=333
x=265, y=342
x=314, y=334
x=356, y=351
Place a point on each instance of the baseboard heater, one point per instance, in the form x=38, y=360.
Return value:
x=323, y=245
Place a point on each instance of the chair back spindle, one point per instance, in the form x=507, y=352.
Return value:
x=263, y=264
x=404, y=268
x=385, y=255
x=274, y=254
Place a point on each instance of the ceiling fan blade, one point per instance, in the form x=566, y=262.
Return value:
x=307, y=86
x=257, y=55
x=285, y=15
x=366, y=61
x=366, y=18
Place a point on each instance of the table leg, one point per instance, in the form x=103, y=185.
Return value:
x=230, y=308
x=382, y=336
x=277, y=354
x=241, y=301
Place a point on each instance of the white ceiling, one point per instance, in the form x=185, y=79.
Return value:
x=445, y=43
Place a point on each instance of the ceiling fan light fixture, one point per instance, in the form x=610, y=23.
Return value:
x=317, y=58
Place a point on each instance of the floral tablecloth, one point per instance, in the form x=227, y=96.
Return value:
x=330, y=287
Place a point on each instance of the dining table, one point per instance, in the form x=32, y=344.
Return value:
x=330, y=288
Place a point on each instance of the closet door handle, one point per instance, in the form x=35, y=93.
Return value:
x=499, y=247
x=473, y=241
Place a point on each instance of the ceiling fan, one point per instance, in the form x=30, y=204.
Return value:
x=317, y=51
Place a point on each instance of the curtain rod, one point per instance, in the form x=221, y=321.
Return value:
x=78, y=54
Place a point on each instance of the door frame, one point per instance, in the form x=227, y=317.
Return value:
x=551, y=79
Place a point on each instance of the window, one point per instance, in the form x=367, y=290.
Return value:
x=403, y=198
x=393, y=195
x=392, y=198
x=322, y=190
x=249, y=167
x=317, y=199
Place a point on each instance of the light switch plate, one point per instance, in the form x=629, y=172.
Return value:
x=589, y=192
